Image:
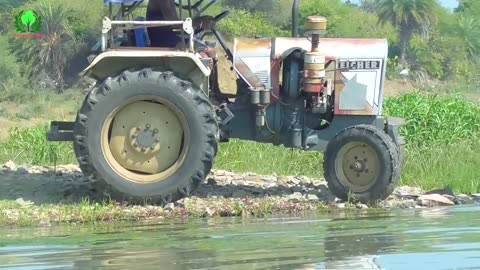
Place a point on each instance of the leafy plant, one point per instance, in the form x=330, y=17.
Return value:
x=434, y=119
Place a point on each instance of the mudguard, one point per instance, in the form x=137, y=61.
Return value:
x=114, y=61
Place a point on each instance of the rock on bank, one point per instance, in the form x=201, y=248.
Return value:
x=222, y=192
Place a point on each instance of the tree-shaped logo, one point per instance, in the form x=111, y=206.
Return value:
x=28, y=22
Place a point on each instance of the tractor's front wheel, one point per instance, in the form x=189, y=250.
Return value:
x=362, y=163
x=146, y=136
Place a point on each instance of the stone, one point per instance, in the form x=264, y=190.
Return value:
x=299, y=189
x=312, y=197
x=269, y=178
x=305, y=180
x=465, y=199
x=362, y=206
x=406, y=191
x=10, y=165
x=282, y=180
x=239, y=193
x=433, y=200
x=296, y=196
x=23, y=171
x=169, y=207
x=341, y=205
x=211, y=182
x=210, y=212
x=21, y=201
x=293, y=180
x=219, y=172
x=318, y=183
x=254, y=179
x=442, y=191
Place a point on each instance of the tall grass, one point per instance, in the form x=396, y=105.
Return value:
x=30, y=146
x=442, y=146
x=434, y=119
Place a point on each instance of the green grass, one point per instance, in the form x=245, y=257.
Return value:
x=13, y=213
x=442, y=147
x=434, y=119
x=25, y=104
x=30, y=146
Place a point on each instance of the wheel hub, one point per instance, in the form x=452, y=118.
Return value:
x=358, y=166
x=145, y=139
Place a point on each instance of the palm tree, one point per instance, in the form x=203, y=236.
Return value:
x=410, y=16
x=468, y=29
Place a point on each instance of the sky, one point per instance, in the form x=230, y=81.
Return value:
x=449, y=4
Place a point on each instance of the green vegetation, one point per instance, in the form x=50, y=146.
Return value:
x=29, y=145
x=21, y=213
x=432, y=42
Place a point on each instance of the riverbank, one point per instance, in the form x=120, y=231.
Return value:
x=41, y=195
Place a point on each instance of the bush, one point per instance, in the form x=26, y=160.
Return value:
x=433, y=119
x=241, y=23
x=9, y=68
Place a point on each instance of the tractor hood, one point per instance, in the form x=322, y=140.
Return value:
x=254, y=59
x=335, y=47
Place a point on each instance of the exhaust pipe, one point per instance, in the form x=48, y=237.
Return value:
x=296, y=3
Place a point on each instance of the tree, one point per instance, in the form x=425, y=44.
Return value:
x=410, y=16
x=468, y=29
x=368, y=5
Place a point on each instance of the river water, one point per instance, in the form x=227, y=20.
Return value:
x=436, y=238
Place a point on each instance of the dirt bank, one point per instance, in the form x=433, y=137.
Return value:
x=34, y=195
x=66, y=185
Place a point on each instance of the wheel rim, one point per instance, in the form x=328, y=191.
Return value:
x=145, y=140
x=357, y=166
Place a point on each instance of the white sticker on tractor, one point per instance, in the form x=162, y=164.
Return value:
x=359, y=87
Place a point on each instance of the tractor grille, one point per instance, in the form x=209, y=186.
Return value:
x=263, y=76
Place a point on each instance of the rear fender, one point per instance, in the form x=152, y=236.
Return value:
x=186, y=65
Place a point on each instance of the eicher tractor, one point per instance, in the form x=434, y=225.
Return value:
x=150, y=127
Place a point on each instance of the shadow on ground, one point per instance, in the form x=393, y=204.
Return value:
x=43, y=185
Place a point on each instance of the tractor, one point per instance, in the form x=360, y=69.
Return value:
x=150, y=127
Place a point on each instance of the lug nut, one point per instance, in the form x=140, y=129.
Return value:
x=148, y=126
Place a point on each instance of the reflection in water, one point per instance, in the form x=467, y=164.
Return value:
x=346, y=247
x=146, y=259
x=408, y=239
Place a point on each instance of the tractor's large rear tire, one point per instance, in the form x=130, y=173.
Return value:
x=362, y=163
x=146, y=136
